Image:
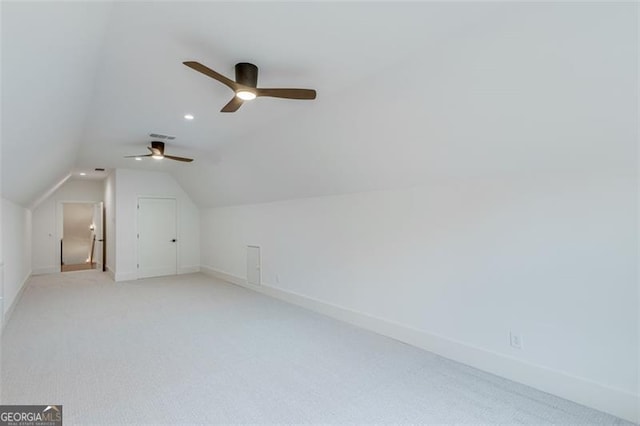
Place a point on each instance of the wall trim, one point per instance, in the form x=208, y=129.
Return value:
x=7, y=315
x=617, y=402
x=188, y=269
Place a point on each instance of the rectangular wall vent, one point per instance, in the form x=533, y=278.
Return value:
x=161, y=136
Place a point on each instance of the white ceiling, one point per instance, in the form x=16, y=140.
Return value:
x=407, y=92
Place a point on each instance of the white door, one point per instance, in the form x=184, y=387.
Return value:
x=157, y=237
x=253, y=265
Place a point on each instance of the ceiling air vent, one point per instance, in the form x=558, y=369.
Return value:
x=161, y=136
x=99, y=169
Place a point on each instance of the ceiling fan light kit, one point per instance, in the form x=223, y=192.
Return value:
x=245, y=95
x=245, y=87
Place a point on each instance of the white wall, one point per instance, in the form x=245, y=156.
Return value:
x=16, y=249
x=47, y=223
x=110, y=221
x=131, y=184
x=460, y=265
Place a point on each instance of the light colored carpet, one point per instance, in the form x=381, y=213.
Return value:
x=190, y=349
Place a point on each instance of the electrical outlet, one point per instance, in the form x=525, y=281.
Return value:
x=516, y=340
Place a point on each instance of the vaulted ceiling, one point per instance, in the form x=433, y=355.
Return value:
x=407, y=92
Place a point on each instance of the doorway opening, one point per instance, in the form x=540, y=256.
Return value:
x=81, y=242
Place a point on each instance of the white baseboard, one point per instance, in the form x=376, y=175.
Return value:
x=188, y=269
x=46, y=270
x=215, y=273
x=614, y=401
x=7, y=315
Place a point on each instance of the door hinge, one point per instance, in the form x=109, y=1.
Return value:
x=138, y=206
x=138, y=235
x=138, y=266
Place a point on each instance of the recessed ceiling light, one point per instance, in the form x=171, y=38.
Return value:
x=188, y=117
x=138, y=158
x=83, y=174
x=245, y=95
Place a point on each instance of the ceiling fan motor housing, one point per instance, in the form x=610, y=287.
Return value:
x=247, y=74
x=156, y=145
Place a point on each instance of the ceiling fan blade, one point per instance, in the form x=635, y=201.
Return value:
x=211, y=73
x=186, y=160
x=287, y=93
x=233, y=105
x=136, y=156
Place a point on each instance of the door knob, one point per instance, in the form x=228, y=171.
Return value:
x=174, y=240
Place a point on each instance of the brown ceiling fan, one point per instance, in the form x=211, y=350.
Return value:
x=245, y=86
x=157, y=152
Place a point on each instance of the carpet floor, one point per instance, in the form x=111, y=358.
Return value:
x=194, y=350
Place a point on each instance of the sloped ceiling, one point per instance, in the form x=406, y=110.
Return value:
x=407, y=93
x=49, y=53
